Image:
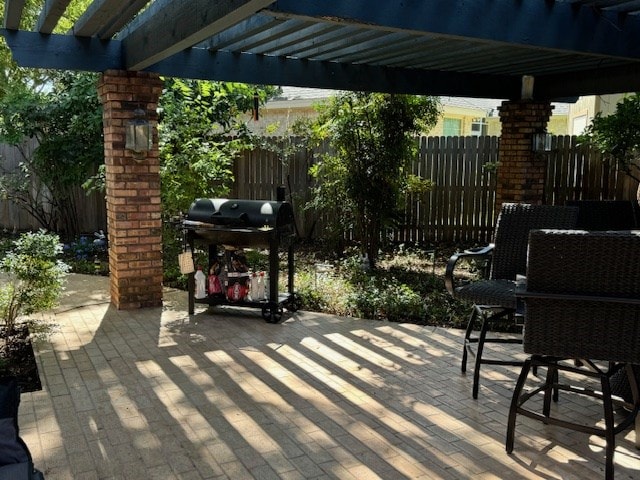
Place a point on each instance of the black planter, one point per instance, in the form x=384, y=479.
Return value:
x=18, y=360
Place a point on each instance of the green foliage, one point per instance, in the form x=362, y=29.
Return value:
x=330, y=195
x=14, y=78
x=404, y=288
x=322, y=292
x=67, y=123
x=257, y=259
x=171, y=247
x=380, y=295
x=34, y=277
x=86, y=256
x=618, y=134
x=201, y=132
x=373, y=137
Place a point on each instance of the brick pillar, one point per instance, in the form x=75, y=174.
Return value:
x=133, y=192
x=521, y=172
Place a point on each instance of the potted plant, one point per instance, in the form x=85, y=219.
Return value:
x=32, y=281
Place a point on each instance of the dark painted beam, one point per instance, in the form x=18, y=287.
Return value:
x=199, y=63
x=530, y=23
x=50, y=15
x=169, y=26
x=13, y=13
x=63, y=52
x=589, y=82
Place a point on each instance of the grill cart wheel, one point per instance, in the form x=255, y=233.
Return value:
x=272, y=313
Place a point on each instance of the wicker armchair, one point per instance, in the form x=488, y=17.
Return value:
x=494, y=298
x=578, y=309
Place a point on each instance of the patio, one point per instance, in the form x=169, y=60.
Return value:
x=156, y=393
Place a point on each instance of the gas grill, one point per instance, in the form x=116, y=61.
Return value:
x=228, y=227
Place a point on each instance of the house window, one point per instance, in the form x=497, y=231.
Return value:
x=579, y=124
x=451, y=127
x=479, y=127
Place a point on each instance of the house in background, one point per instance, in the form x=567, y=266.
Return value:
x=460, y=116
x=582, y=112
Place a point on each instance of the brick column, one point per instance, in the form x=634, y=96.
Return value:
x=133, y=192
x=521, y=172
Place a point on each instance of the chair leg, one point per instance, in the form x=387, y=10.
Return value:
x=635, y=396
x=549, y=391
x=515, y=401
x=467, y=336
x=609, y=429
x=476, y=371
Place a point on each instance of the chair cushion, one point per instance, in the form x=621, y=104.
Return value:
x=489, y=292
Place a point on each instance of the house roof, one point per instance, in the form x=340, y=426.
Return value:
x=479, y=48
x=304, y=97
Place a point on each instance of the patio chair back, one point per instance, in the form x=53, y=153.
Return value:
x=606, y=214
x=594, y=279
x=511, y=235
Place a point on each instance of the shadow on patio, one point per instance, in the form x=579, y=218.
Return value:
x=157, y=393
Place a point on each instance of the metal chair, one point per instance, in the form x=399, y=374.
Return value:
x=494, y=297
x=582, y=301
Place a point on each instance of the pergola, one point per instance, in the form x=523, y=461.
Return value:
x=479, y=48
x=528, y=51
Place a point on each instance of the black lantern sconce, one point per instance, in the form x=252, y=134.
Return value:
x=139, y=135
x=541, y=142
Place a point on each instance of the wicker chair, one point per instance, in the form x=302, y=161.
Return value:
x=577, y=309
x=606, y=214
x=494, y=297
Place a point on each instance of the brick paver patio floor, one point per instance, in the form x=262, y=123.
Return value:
x=159, y=394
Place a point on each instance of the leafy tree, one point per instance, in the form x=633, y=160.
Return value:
x=373, y=138
x=67, y=123
x=201, y=131
x=12, y=76
x=618, y=135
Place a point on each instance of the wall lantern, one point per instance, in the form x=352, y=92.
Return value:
x=541, y=142
x=139, y=135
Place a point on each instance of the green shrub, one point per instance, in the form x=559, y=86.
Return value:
x=400, y=302
x=34, y=277
x=325, y=293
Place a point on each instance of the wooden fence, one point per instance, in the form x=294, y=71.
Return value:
x=459, y=208
x=461, y=205
x=92, y=211
x=13, y=217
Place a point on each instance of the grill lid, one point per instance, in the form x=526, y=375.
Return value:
x=241, y=213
